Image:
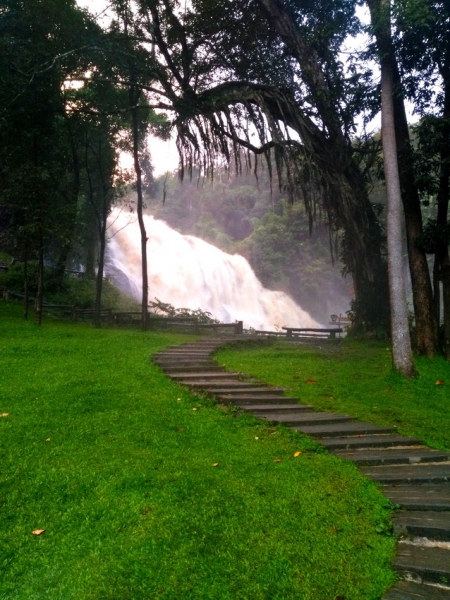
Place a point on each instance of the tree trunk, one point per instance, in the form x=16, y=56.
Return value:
x=26, y=290
x=134, y=96
x=99, y=280
x=426, y=339
x=442, y=218
x=401, y=342
x=40, y=281
x=436, y=289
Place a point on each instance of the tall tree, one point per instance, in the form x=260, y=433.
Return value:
x=424, y=53
x=401, y=343
x=426, y=340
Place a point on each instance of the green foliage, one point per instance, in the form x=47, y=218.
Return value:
x=167, y=310
x=107, y=455
x=70, y=290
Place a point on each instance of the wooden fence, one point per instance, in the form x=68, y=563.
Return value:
x=190, y=324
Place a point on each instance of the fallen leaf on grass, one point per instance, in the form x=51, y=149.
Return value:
x=194, y=408
x=38, y=531
x=439, y=382
x=4, y=414
x=256, y=438
x=310, y=381
x=297, y=453
x=215, y=464
x=48, y=439
x=277, y=460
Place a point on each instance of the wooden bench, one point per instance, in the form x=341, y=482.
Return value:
x=292, y=332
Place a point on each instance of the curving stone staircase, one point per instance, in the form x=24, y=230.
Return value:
x=412, y=476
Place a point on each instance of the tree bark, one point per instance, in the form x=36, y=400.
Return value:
x=426, y=338
x=401, y=342
x=99, y=280
x=134, y=96
x=442, y=217
x=40, y=281
x=26, y=289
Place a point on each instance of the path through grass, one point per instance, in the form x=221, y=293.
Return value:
x=356, y=378
x=115, y=462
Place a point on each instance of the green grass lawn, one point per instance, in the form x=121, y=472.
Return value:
x=107, y=455
x=356, y=378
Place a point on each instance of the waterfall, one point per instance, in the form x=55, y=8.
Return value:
x=187, y=272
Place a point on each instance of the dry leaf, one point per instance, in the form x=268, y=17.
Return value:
x=277, y=460
x=4, y=414
x=297, y=454
x=439, y=382
x=215, y=464
x=47, y=440
x=194, y=408
x=38, y=531
x=256, y=438
x=310, y=381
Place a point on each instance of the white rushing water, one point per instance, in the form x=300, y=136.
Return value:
x=187, y=272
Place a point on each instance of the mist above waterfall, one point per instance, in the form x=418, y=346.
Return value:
x=187, y=272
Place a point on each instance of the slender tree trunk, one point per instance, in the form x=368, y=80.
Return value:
x=401, y=342
x=40, y=281
x=436, y=288
x=134, y=95
x=426, y=340
x=99, y=280
x=26, y=290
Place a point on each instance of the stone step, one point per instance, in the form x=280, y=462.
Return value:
x=197, y=364
x=420, y=473
x=392, y=456
x=429, y=564
x=367, y=441
x=434, y=525
x=408, y=590
x=242, y=388
x=219, y=384
x=296, y=417
x=188, y=369
x=324, y=431
x=197, y=345
x=204, y=375
x=178, y=354
x=434, y=497
x=256, y=409
x=258, y=399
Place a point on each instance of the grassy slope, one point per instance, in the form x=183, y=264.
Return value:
x=357, y=378
x=109, y=457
